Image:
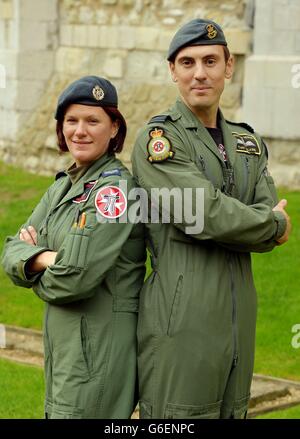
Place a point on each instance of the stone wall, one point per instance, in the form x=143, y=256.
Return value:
x=28, y=40
x=123, y=40
x=272, y=91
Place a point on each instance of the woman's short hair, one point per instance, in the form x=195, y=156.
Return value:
x=115, y=145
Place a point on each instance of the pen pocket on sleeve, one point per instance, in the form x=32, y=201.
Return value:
x=77, y=248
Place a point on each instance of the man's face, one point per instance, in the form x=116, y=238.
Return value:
x=200, y=73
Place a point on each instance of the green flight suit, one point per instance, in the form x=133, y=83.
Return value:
x=91, y=295
x=197, y=317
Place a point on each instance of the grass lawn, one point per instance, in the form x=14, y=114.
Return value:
x=277, y=284
x=22, y=394
x=291, y=413
x=19, y=193
x=21, y=391
x=276, y=276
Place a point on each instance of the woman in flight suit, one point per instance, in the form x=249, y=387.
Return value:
x=84, y=262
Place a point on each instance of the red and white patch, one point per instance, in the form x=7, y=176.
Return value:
x=111, y=202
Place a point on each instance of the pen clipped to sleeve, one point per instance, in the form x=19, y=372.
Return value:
x=79, y=221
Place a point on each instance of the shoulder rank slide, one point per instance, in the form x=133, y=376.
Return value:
x=247, y=143
x=161, y=118
x=159, y=147
x=242, y=124
x=110, y=172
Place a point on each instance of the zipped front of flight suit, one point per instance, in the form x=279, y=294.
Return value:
x=246, y=171
x=234, y=312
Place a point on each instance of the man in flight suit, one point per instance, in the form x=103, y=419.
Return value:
x=197, y=317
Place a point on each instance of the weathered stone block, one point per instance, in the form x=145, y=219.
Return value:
x=6, y=10
x=71, y=60
x=29, y=93
x=127, y=37
x=113, y=67
x=37, y=65
x=9, y=63
x=238, y=41
x=33, y=35
x=231, y=95
x=147, y=38
x=80, y=35
x=37, y=10
x=109, y=2
x=93, y=36
x=108, y=37
x=66, y=35
x=164, y=38
x=8, y=95
x=146, y=66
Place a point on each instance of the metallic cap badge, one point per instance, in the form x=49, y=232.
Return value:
x=211, y=31
x=98, y=93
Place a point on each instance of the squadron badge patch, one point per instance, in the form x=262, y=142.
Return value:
x=111, y=202
x=159, y=147
x=247, y=143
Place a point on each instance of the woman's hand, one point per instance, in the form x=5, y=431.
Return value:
x=41, y=261
x=29, y=235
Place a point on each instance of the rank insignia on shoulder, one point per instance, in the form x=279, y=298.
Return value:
x=111, y=172
x=159, y=147
x=247, y=143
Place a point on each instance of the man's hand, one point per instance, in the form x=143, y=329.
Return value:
x=280, y=208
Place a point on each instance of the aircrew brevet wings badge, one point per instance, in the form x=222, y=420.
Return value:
x=159, y=147
x=247, y=143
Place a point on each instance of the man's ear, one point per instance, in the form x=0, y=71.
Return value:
x=229, y=67
x=172, y=71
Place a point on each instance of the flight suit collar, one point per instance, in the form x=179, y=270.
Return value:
x=92, y=173
x=190, y=121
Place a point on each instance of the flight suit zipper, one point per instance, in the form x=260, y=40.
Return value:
x=234, y=313
x=246, y=168
x=204, y=168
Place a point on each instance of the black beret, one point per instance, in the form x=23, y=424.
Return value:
x=89, y=90
x=196, y=32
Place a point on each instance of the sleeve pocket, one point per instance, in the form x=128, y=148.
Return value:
x=76, y=248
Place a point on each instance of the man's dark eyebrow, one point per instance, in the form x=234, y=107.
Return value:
x=185, y=58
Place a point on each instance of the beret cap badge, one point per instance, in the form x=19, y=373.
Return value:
x=211, y=31
x=98, y=93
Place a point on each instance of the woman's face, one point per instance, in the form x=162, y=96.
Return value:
x=87, y=130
